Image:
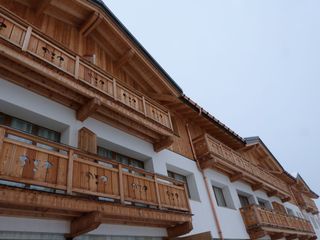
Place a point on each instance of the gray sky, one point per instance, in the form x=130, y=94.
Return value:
x=252, y=64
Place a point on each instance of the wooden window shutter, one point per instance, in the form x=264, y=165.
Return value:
x=278, y=207
x=87, y=140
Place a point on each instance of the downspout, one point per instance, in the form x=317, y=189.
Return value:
x=213, y=209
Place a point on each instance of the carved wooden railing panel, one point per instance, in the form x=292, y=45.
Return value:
x=32, y=160
x=15, y=31
x=207, y=144
x=257, y=217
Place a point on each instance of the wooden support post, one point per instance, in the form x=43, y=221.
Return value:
x=170, y=120
x=84, y=224
x=179, y=230
x=157, y=191
x=70, y=173
x=236, y=177
x=2, y=135
x=121, y=184
x=88, y=109
x=186, y=196
x=257, y=186
x=26, y=39
x=76, y=67
x=162, y=144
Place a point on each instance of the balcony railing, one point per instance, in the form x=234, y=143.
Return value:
x=17, y=32
x=306, y=202
x=30, y=160
x=257, y=218
x=208, y=145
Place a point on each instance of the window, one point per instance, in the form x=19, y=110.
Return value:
x=30, y=128
x=180, y=177
x=106, y=153
x=264, y=203
x=244, y=200
x=218, y=193
x=290, y=212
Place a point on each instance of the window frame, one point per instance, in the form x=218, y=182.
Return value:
x=220, y=190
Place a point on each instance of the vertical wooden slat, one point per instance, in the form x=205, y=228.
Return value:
x=157, y=191
x=114, y=89
x=76, y=68
x=70, y=172
x=2, y=134
x=26, y=39
x=144, y=106
x=121, y=184
x=186, y=197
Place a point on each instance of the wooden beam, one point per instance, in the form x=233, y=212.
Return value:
x=272, y=193
x=179, y=230
x=42, y=6
x=84, y=224
x=292, y=236
x=90, y=24
x=257, y=186
x=123, y=60
x=277, y=236
x=88, y=109
x=236, y=177
x=162, y=144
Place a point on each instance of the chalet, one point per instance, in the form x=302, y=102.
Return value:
x=97, y=141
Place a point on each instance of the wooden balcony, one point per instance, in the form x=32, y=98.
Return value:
x=306, y=202
x=261, y=222
x=61, y=75
x=213, y=154
x=58, y=181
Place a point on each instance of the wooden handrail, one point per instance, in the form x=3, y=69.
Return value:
x=235, y=158
x=28, y=159
x=52, y=52
x=257, y=216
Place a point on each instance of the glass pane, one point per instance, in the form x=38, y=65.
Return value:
x=49, y=134
x=244, y=200
x=21, y=125
x=1, y=118
x=218, y=192
x=104, y=153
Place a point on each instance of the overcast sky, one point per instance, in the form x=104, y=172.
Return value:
x=255, y=65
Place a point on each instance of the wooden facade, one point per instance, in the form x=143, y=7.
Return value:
x=75, y=53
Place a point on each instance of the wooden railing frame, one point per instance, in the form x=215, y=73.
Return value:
x=173, y=195
x=271, y=180
x=278, y=220
x=156, y=112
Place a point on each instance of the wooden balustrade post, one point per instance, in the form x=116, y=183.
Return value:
x=186, y=196
x=121, y=184
x=114, y=89
x=70, y=172
x=170, y=121
x=76, y=67
x=257, y=213
x=144, y=106
x=26, y=40
x=2, y=135
x=157, y=192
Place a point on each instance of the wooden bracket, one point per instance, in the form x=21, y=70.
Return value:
x=286, y=199
x=277, y=236
x=257, y=186
x=123, y=60
x=179, y=230
x=88, y=109
x=90, y=24
x=162, y=144
x=272, y=193
x=236, y=177
x=84, y=224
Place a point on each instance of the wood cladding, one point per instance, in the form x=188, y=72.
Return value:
x=87, y=140
x=61, y=167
